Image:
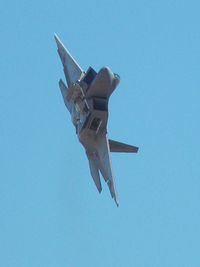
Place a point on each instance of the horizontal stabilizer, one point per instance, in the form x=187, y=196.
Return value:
x=64, y=91
x=121, y=147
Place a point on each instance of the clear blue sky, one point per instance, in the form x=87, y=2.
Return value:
x=50, y=211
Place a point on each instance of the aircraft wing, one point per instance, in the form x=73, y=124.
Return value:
x=72, y=70
x=121, y=147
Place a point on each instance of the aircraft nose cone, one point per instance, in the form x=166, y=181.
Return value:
x=106, y=70
x=113, y=77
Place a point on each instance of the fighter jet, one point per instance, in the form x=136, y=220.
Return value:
x=86, y=97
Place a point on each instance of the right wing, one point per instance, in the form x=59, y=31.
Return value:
x=121, y=147
x=72, y=70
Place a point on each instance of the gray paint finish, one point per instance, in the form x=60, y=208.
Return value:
x=86, y=97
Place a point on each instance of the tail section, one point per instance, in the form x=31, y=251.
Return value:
x=100, y=162
x=104, y=164
x=121, y=147
x=94, y=170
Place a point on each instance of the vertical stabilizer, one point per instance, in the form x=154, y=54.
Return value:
x=104, y=164
x=94, y=170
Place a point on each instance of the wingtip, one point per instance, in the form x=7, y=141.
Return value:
x=56, y=36
x=137, y=149
x=57, y=39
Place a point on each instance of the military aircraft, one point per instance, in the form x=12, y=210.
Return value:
x=86, y=97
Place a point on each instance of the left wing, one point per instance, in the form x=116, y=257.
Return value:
x=72, y=70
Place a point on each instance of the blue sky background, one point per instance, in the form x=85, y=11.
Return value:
x=50, y=211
